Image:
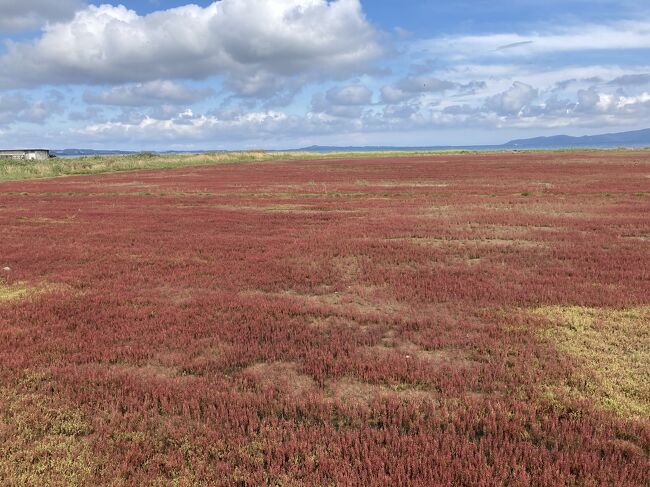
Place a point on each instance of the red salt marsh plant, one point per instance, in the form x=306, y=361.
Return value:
x=436, y=320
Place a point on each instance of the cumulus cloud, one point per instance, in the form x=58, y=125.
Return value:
x=460, y=110
x=346, y=101
x=401, y=112
x=253, y=43
x=227, y=128
x=524, y=106
x=350, y=95
x=18, y=108
x=234, y=127
x=413, y=86
x=10, y=106
x=136, y=74
x=19, y=15
x=471, y=87
x=152, y=93
x=187, y=126
x=606, y=103
x=513, y=100
x=588, y=100
x=89, y=114
x=631, y=80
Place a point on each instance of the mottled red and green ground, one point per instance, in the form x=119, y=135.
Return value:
x=440, y=320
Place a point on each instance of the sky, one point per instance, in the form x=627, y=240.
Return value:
x=281, y=74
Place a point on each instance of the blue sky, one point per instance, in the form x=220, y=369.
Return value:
x=231, y=74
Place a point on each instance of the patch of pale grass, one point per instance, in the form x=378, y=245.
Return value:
x=21, y=290
x=353, y=391
x=13, y=292
x=283, y=375
x=612, y=348
x=42, y=441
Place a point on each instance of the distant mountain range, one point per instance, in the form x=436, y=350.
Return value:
x=636, y=138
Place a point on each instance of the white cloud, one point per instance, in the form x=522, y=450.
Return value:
x=236, y=127
x=10, y=107
x=513, y=100
x=588, y=100
x=89, y=114
x=253, y=43
x=391, y=94
x=631, y=80
x=412, y=86
x=521, y=107
x=134, y=71
x=617, y=35
x=186, y=126
x=401, y=111
x=17, y=108
x=593, y=102
x=346, y=101
x=152, y=93
x=350, y=95
x=499, y=76
x=18, y=15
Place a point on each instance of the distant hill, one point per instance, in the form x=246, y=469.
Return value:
x=636, y=138
x=374, y=148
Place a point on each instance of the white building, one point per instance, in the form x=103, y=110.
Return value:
x=27, y=154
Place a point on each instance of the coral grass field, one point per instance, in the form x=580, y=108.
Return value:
x=476, y=319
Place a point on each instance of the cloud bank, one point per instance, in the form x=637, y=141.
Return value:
x=281, y=73
x=152, y=93
x=249, y=42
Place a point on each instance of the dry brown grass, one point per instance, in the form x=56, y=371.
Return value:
x=390, y=343
x=353, y=391
x=284, y=376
